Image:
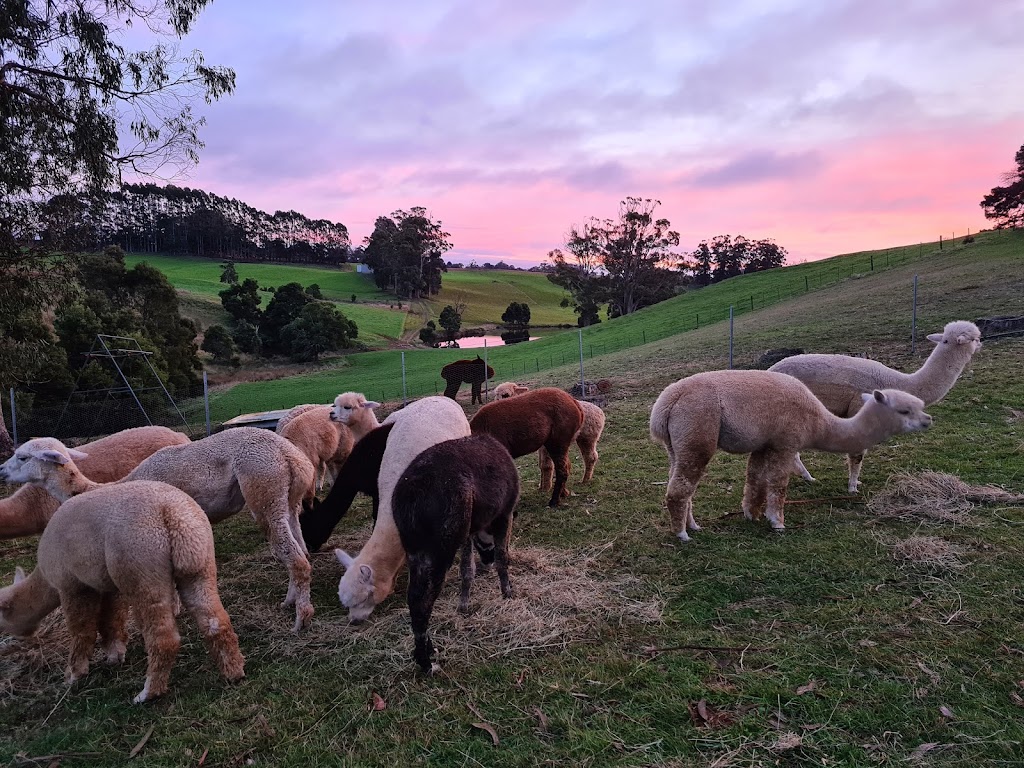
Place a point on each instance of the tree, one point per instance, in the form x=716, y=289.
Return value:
x=228, y=273
x=405, y=253
x=319, y=328
x=724, y=256
x=1005, y=205
x=517, y=319
x=242, y=301
x=218, y=342
x=451, y=321
x=428, y=333
x=285, y=306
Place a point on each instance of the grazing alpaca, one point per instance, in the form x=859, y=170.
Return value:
x=466, y=371
x=370, y=576
x=135, y=544
x=27, y=510
x=586, y=438
x=358, y=475
x=544, y=418
x=449, y=493
x=771, y=416
x=838, y=380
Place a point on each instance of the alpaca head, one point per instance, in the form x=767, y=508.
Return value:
x=16, y=615
x=962, y=336
x=897, y=412
x=348, y=405
x=36, y=459
x=509, y=389
x=355, y=590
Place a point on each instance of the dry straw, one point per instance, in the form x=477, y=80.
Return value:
x=930, y=553
x=934, y=497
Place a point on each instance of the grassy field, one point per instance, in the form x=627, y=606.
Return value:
x=487, y=294
x=847, y=640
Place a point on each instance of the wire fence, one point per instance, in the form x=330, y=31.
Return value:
x=397, y=377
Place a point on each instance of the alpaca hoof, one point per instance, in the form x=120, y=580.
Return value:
x=435, y=668
x=302, y=618
x=683, y=535
x=114, y=655
x=778, y=527
x=464, y=608
x=695, y=527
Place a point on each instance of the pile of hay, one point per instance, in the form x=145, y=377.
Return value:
x=930, y=553
x=934, y=497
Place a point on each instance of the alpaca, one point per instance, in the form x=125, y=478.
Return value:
x=325, y=442
x=771, y=416
x=27, y=511
x=356, y=412
x=135, y=544
x=451, y=492
x=370, y=576
x=544, y=418
x=586, y=438
x=358, y=474
x=466, y=371
x=838, y=380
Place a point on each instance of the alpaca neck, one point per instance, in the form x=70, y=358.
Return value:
x=67, y=481
x=852, y=436
x=34, y=600
x=938, y=374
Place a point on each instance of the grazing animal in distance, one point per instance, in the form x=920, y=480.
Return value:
x=472, y=372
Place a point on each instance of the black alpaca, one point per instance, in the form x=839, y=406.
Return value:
x=453, y=495
x=358, y=474
x=466, y=371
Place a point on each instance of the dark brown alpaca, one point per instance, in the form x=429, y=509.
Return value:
x=466, y=372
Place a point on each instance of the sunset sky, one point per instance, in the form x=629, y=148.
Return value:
x=828, y=126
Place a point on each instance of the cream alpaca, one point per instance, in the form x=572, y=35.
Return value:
x=771, y=416
x=135, y=544
x=27, y=510
x=838, y=380
x=325, y=442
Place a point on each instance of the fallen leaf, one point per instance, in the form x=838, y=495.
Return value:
x=807, y=688
x=704, y=716
x=916, y=602
x=520, y=678
x=202, y=758
x=142, y=742
x=490, y=729
x=867, y=643
x=1016, y=699
x=378, y=705
x=542, y=718
x=702, y=709
x=788, y=740
x=935, y=678
x=923, y=749
x=947, y=712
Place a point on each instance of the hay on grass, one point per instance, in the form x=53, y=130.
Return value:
x=934, y=497
x=930, y=553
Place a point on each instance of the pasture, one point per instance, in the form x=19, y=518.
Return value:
x=839, y=642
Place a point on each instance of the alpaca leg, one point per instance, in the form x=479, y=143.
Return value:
x=296, y=529
x=152, y=609
x=113, y=632
x=451, y=388
x=483, y=542
x=467, y=571
x=562, y=470
x=686, y=473
x=200, y=596
x=547, y=470
x=589, y=451
x=476, y=393
x=426, y=577
x=81, y=612
x=801, y=470
x=755, y=490
x=501, y=528
x=855, y=461
x=777, y=472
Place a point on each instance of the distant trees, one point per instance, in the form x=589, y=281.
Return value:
x=451, y=320
x=319, y=328
x=1005, y=204
x=724, y=256
x=405, y=253
x=517, y=320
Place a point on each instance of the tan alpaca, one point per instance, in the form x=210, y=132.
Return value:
x=772, y=417
x=839, y=380
x=108, y=547
x=586, y=438
x=27, y=510
x=325, y=442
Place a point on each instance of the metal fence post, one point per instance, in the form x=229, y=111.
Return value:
x=14, y=420
x=913, y=321
x=405, y=398
x=486, y=388
x=730, y=337
x=583, y=386
x=206, y=402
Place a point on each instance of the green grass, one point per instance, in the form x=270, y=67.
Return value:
x=812, y=647
x=487, y=294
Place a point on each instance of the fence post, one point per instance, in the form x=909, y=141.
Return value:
x=913, y=321
x=14, y=420
x=583, y=386
x=730, y=337
x=645, y=335
x=404, y=394
x=206, y=403
x=486, y=388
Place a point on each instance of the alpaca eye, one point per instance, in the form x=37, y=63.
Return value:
x=904, y=412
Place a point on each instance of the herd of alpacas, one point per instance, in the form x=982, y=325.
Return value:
x=125, y=521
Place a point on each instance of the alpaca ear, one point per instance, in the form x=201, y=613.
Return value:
x=934, y=338
x=370, y=404
x=19, y=575
x=520, y=390
x=50, y=456
x=365, y=574
x=77, y=455
x=879, y=396
x=344, y=558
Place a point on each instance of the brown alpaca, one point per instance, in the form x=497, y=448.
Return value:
x=136, y=544
x=466, y=371
x=544, y=418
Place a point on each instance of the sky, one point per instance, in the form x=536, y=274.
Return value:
x=829, y=126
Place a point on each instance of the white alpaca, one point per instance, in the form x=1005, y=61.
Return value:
x=771, y=416
x=839, y=380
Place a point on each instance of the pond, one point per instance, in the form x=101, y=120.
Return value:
x=472, y=342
